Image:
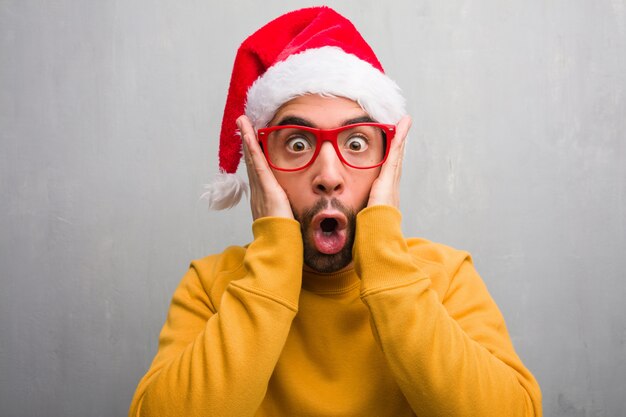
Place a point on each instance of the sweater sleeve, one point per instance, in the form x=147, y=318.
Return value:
x=217, y=360
x=448, y=348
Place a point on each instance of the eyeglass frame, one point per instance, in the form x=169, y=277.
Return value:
x=325, y=135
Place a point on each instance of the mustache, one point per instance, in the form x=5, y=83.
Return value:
x=320, y=205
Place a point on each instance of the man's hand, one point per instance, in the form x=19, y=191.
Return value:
x=267, y=198
x=386, y=188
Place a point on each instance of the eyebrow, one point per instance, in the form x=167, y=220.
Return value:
x=294, y=120
x=362, y=119
x=299, y=121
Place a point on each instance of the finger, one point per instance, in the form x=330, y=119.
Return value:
x=255, y=161
x=271, y=195
x=402, y=130
x=247, y=131
x=256, y=157
x=256, y=191
x=266, y=195
x=393, y=166
x=252, y=177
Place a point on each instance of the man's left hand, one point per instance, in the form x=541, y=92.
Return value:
x=386, y=188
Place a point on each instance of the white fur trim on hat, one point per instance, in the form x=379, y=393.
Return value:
x=328, y=71
x=225, y=191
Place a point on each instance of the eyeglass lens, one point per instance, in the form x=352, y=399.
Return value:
x=360, y=146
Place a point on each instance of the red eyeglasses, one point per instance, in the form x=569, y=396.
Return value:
x=360, y=145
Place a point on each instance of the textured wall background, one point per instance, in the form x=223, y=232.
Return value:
x=109, y=115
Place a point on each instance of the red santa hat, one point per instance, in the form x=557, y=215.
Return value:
x=308, y=51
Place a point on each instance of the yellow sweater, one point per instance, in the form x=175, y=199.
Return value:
x=411, y=330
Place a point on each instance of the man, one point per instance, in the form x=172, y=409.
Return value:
x=330, y=311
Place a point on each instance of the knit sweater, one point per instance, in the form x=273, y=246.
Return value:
x=409, y=330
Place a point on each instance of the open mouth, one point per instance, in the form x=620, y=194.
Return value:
x=329, y=231
x=328, y=226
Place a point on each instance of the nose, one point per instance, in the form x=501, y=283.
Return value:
x=328, y=170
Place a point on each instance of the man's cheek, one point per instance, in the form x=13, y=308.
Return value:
x=363, y=183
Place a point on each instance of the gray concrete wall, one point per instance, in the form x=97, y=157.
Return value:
x=109, y=118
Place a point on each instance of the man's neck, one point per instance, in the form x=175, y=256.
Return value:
x=307, y=268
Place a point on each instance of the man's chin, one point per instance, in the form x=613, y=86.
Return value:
x=325, y=263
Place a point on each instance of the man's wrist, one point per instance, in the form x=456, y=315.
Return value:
x=381, y=255
x=276, y=228
x=274, y=259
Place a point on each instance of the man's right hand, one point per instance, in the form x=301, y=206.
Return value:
x=267, y=198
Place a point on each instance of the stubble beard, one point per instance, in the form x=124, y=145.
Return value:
x=316, y=260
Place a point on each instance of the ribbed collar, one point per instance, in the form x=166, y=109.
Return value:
x=332, y=283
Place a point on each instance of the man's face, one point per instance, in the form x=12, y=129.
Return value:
x=326, y=196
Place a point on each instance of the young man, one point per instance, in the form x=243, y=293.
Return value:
x=330, y=311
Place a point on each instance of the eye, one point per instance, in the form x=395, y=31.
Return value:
x=298, y=144
x=356, y=144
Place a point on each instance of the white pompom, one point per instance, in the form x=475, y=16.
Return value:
x=224, y=191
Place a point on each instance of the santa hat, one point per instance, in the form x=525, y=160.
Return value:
x=307, y=51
